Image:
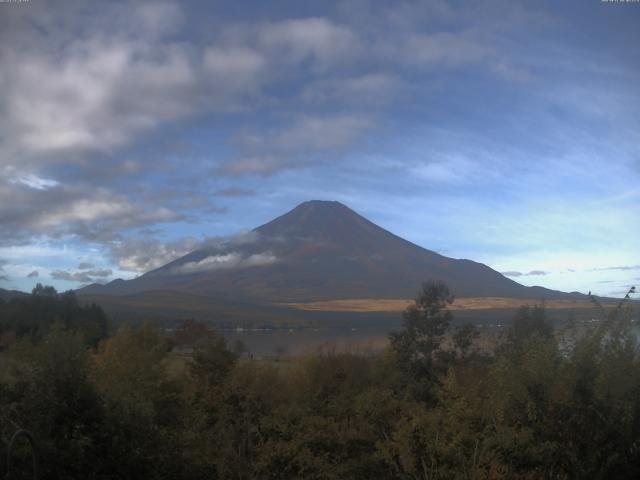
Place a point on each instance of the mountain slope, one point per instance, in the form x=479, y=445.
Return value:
x=7, y=295
x=320, y=250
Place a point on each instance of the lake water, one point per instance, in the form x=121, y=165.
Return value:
x=310, y=340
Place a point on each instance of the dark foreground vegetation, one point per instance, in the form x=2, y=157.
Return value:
x=541, y=404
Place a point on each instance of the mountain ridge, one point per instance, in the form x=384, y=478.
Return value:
x=7, y=295
x=320, y=250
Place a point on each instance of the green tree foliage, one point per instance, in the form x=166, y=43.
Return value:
x=567, y=413
x=428, y=408
x=464, y=338
x=417, y=346
x=319, y=430
x=528, y=322
x=33, y=316
x=212, y=362
x=142, y=404
x=47, y=389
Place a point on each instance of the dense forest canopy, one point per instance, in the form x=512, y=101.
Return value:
x=34, y=315
x=540, y=404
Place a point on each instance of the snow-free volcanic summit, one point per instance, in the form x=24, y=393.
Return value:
x=320, y=250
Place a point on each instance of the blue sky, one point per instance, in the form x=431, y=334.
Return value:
x=503, y=132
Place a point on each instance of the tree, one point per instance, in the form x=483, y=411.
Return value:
x=47, y=390
x=528, y=322
x=463, y=339
x=417, y=346
x=191, y=332
x=212, y=362
x=44, y=290
x=142, y=405
x=33, y=315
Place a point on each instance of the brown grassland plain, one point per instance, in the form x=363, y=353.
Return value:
x=399, y=304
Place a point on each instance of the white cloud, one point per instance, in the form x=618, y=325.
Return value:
x=296, y=144
x=237, y=67
x=317, y=39
x=515, y=273
x=157, y=18
x=454, y=168
x=445, y=48
x=226, y=261
x=619, y=267
x=537, y=272
x=84, y=276
x=370, y=89
x=35, y=182
x=512, y=273
x=321, y=133
x=107, y=85
x=145, y=254
x=91, y=213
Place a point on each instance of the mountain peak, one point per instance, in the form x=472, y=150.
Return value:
x=313, y=217
x=321, y=250
x=322, y=205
